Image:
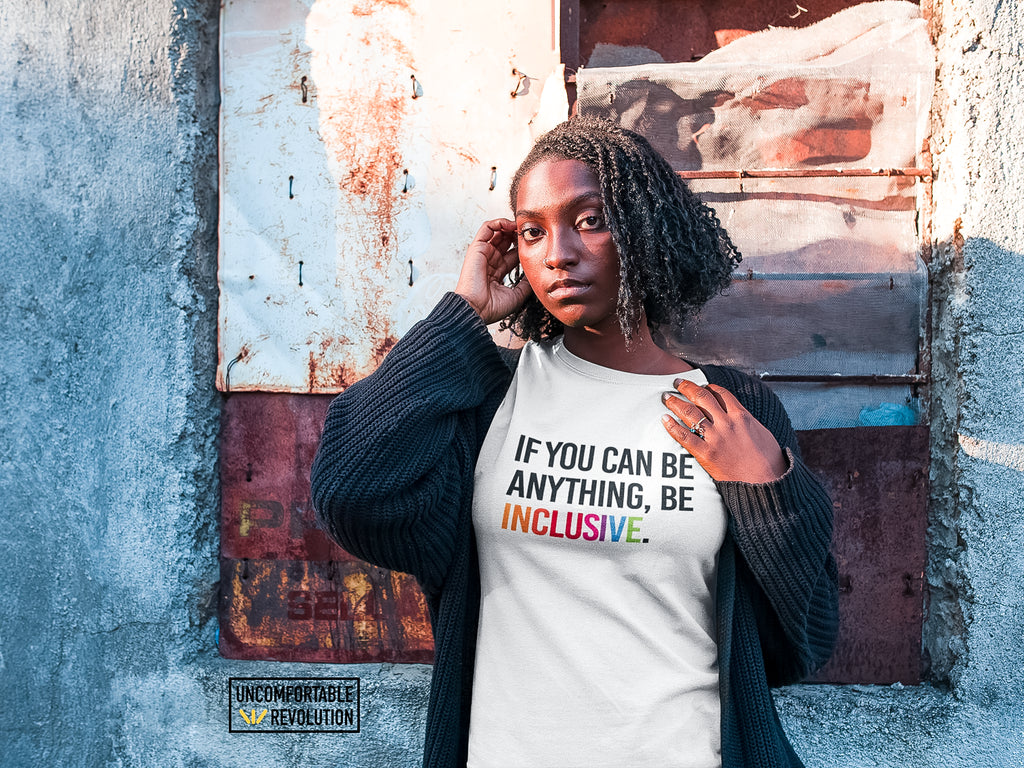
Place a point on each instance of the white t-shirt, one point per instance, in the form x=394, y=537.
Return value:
x=598, y=538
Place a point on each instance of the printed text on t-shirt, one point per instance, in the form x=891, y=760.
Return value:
x=613, y=490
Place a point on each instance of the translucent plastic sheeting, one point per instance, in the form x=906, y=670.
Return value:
x=813, y=405
x=831, y=226
x=363, y=142
x=831, y=280
x=812, y=326
x=852, y=90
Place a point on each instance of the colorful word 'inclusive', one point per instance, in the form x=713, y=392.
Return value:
x=572, y=525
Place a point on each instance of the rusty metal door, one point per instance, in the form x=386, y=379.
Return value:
x=362, y=144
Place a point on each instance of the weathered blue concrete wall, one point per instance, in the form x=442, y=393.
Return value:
x=108, y=459
x=108, y=455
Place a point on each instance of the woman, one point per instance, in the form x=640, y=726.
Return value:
x=620, y=551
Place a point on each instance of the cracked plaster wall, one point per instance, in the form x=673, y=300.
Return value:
x=108, y=459
x=108, y=456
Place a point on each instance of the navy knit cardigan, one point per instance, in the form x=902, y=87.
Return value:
x=393, y=484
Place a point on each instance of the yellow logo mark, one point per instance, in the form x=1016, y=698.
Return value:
x=252, y=719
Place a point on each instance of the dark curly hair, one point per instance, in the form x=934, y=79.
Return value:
x=674, y=254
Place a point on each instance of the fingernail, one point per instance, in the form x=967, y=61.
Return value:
x=677, y=382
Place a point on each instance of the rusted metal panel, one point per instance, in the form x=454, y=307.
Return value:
x=878, y=480
x=362, y=144
x=267, y=448
x=342, y=612
x=287, y=591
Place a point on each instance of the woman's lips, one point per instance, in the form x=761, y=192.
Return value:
x=561, y=290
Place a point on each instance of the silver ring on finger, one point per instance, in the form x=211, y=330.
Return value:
x=697, y=429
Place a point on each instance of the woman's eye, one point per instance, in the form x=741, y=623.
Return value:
x=530, y=233
x=593, y=221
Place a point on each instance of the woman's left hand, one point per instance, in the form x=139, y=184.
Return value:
x=727, y=440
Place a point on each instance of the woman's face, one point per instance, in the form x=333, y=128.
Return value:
x=565, y=246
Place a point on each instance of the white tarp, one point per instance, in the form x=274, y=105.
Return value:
x=360, y=141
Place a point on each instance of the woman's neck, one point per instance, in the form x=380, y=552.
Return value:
x=610, y=350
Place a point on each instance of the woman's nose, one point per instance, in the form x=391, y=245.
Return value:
x=563, y=249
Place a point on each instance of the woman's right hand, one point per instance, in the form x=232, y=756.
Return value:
x=489, y=259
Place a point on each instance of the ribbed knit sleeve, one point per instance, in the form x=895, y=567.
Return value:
x=783, y=530
x=395, y=461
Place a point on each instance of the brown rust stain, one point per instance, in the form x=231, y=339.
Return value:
x=462, y=152
x=262, y=103
x=323, y=374
x=363, y=130
x=320, y=611
x=958, y=245
x=835, y=286
x=329, y=342
x=374, y=161
x=369, y=7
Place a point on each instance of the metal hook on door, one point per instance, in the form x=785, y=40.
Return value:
x=519, y=84
x=227, y=373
